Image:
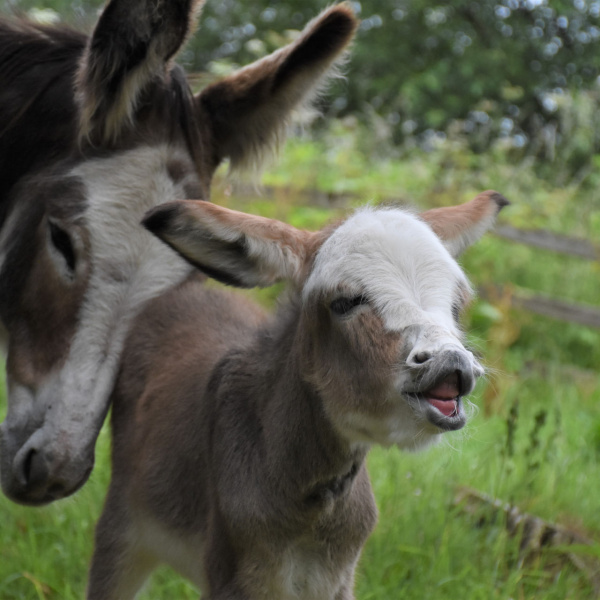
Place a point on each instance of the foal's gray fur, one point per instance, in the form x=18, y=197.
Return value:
x=240, y=438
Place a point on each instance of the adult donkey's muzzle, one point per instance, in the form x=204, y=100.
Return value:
x=44, y=455
x=35, y=472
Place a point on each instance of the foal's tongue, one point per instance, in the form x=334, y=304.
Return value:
x=444, y=396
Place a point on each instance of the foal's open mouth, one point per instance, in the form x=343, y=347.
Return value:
x=445, y=395
x=444, y=400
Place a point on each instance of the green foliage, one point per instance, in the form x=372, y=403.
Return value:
x=539, y=447
x=487, y=70
x=434, y=62
x=524, y=72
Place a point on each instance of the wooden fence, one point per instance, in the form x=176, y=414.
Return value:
x=551, y=307
x=550, y=241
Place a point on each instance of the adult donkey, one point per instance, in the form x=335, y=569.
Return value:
x=94, y=132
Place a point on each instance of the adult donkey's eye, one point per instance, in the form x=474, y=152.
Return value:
x=342, y=306
x=62, y=242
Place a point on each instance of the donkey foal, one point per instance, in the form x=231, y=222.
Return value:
x=240, y=438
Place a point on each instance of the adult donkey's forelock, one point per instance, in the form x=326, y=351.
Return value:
x=94, y=132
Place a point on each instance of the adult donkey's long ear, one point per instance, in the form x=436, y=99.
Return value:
x=460, y=226
x=250, y=110
x=132, y=43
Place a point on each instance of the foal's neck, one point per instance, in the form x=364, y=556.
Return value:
x=292, y=412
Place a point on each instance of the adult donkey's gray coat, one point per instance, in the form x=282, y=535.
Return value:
x=93, y=132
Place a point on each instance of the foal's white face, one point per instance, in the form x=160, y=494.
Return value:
x=393, y=292
x=377, y=336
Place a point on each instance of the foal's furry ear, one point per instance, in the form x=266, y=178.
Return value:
x=132, y=44
x=233, y=247
x=249, y=111
x=460, y=226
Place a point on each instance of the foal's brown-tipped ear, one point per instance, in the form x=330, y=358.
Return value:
x=131, y=44
x=250, y=110
x=233, y=247
x=460, y=226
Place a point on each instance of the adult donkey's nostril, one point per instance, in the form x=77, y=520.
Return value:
x=34, y=469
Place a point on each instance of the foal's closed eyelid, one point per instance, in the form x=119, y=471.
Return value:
x=344, y=305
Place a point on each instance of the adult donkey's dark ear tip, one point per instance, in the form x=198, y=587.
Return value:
x=161, y=218
x=339, y=22
x=343, y=15
x=323, y=42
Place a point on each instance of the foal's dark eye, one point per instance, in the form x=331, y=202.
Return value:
x=342, y=306
x=62, y=242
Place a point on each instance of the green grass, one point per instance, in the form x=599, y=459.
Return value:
x=424, y=547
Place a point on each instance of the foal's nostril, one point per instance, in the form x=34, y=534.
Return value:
x=421, y=357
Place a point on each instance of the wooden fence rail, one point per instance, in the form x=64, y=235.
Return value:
x=548, y=307
x=550, y=241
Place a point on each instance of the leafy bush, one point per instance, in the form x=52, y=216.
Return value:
x=487, y=70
